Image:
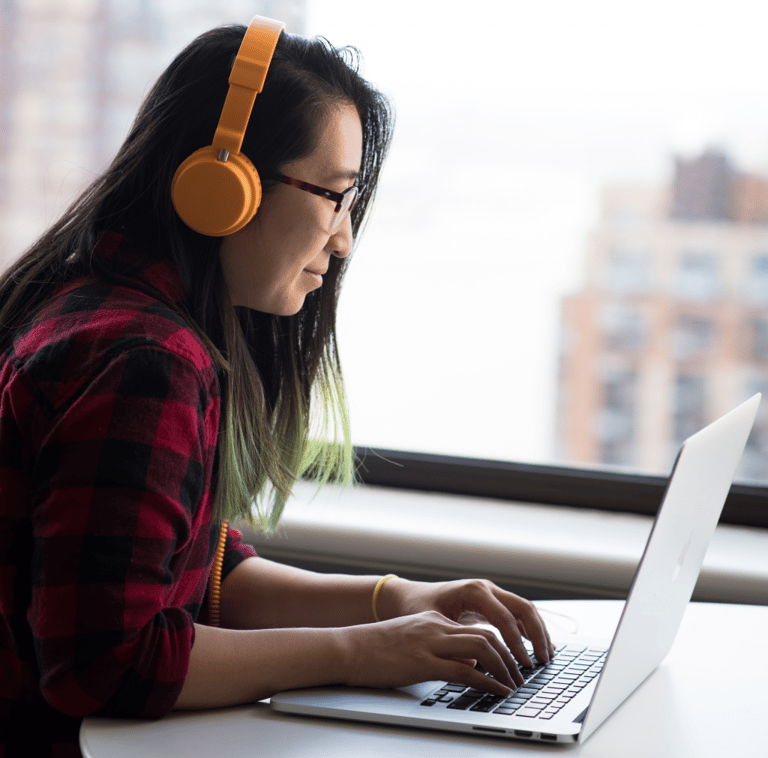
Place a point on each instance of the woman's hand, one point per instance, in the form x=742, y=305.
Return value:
x=423, y=647
x=468, y=602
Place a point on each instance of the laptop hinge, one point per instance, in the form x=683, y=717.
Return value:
x=580, y=718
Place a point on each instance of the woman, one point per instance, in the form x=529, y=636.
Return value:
x=156, y=382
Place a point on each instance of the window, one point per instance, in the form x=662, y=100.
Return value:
x=758, y=329
x=624, y=327
x=756, y=284
x=755, y=462
x=690, y=409
x=617, y=418
x=540, y=210
x=627, y=270
x=694, y=337
x=698, y=277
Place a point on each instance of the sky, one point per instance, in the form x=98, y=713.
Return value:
x=512, y=117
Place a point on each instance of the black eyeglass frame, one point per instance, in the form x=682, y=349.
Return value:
x=340, y=198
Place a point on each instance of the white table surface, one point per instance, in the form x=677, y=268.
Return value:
x=685, y=709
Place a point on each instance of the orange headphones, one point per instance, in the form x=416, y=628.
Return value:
x=217, y=190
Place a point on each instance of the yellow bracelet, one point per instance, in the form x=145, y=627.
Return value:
x=376, y=591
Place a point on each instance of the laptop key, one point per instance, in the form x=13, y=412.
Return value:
x=486, y=705
x=462, y=703
x=528, y=712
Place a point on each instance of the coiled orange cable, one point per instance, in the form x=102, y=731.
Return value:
x=214, y=582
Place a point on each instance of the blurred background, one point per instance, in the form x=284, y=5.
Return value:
x=568, y=259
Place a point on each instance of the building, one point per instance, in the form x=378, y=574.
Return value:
x=671, y=326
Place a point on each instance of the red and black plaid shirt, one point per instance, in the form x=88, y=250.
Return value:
x=109, y=416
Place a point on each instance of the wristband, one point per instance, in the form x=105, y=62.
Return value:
x=376, y=591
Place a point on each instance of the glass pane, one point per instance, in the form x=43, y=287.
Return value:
x=568, y=260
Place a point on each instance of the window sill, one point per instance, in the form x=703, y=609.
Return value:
x=540, y=551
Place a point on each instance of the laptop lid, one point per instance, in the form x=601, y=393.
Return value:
x=672, y=560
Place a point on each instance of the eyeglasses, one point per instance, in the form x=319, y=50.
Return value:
x=345, y=201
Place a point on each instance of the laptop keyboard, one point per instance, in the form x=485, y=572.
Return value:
x=547, y=689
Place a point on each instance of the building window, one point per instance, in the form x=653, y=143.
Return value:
x=693, y=337
x=690, y=406
x=756, y=286
x=616, y=430
x=698, y=276
x=754, y=461
x=624, y=327
x=628, y=270
x=447, y=324
x=758, y=344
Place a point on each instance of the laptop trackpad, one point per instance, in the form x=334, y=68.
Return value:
x=421, y=690
x=361, y=700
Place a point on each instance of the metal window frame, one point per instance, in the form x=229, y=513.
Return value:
x=746, y=505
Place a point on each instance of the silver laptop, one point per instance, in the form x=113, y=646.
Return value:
x=566, y=700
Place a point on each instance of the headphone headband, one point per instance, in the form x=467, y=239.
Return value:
x=217, y=190
x=246, y=81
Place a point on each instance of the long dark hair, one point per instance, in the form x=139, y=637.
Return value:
x=274, y=370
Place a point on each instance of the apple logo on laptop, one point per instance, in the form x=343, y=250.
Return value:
x=681, y=559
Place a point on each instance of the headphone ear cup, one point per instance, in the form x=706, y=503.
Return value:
x=214, y=197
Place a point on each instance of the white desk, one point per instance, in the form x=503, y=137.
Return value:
x=681, y=711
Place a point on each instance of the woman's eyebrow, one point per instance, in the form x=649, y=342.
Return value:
x=349, y=175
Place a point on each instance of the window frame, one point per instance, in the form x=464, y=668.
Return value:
x=595, y=489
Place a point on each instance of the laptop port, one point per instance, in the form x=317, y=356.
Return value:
x=489, y=729
x=552, y=737
x=522, y=733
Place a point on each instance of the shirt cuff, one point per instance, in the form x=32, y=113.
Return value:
x=235, y=551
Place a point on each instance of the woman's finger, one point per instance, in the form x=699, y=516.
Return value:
x=500, y=616
x=461, y=648
x=514, y=615
x=539, y=631
x=483, y=646
x=502, y=649
x=449, y=670
x=550, y=645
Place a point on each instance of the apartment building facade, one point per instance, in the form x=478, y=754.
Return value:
x=671, y=326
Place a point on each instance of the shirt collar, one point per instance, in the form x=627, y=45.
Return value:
x=160, y=274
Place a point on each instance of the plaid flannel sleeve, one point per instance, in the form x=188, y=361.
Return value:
x=121, y=528
x=235, y=551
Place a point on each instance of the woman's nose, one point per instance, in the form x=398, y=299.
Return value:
x=342, y=239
